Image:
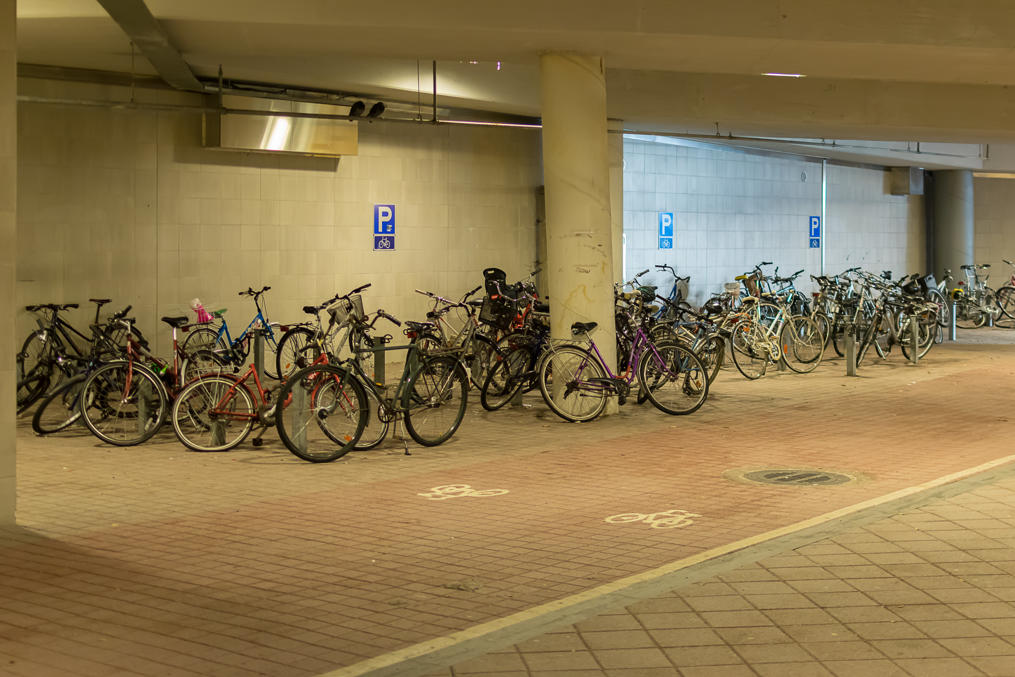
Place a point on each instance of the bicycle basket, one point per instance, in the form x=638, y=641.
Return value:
x=982, y=274
x=498, y=312
x=350, y=308
x=731, y=287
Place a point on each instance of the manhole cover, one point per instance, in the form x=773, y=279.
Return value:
x=797, y=476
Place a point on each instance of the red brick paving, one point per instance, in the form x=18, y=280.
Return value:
x=155, y=560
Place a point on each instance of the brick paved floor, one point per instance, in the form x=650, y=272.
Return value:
x=155, y=560
x=928, y=592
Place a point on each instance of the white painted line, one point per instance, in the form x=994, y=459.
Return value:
x=393, y=658
x=667, y=519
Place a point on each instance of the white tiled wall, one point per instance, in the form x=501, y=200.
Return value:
x=128, y=205
x=8, y=197
x=733, y=210
x=994, y=205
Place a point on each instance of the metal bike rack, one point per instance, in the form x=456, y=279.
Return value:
x=951, y=324
x=378, y=352
x=914, y=348
x=849, y=339
x=301, y=417
x=259, y=353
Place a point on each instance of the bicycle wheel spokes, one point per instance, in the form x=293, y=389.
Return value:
x=213, y=413
x=803, y=344
x=323, y=413
x=435, y=401
x=505, y=379
x=750, y=353
x=571, y=382
x=123, y=403
x=676, y=380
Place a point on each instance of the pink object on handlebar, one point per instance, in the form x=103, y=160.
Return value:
x=202, y=314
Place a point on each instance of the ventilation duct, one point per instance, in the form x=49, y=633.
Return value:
x=276, y=132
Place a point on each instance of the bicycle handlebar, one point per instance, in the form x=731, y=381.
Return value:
x=381, y=313
x=250, y=291
x=122, y=314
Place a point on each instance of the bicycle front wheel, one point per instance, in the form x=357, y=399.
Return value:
x=435, y=399
x=377, y=423
x=123, y=403
x=292, y=353
x=674, y=378
x=59, y=409
x=213, y=413
x=572, y=383
x=323, y=413
x=750, y=358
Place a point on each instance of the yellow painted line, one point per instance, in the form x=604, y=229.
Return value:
x=389, y=660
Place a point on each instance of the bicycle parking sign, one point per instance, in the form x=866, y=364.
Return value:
x=666, y=230
x=814, y=232
x=384, y=227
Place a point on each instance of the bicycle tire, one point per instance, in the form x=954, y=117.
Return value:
x=803, y=346
x=59, y=409
x=570, y=380
x=435, y=399
x=205, y=411
x=674, y=378
x=200, y=363
x=123, y=403
x=944, y=312
x=746, y=358
x=505, y=380
x=330, y=396
x=203, y=338
x=927, y=326
x=712, y=351
x=377, y=427
x=35, y=367
x=291, y=353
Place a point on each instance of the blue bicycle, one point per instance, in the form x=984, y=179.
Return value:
x=234, y=350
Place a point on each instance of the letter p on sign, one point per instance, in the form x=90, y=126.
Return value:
x=384, y=219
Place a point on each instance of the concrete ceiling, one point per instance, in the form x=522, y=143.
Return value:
x=916, y=70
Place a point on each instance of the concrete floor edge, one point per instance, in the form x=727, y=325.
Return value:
x=436, y=654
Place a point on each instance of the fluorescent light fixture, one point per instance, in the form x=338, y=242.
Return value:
x=278, y=134
x=785, y=75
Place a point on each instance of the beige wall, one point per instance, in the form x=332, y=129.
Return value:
x=994, y=205
x=129, y=206
x=733, y=210
x=8, y=197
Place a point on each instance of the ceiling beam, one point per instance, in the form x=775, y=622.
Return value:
x=147, y=33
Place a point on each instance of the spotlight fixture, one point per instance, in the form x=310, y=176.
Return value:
x=785, y=75
x=357, y=109
x=376, y=110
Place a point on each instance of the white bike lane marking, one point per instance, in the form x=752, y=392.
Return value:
x=665, y=519
x=447, y=491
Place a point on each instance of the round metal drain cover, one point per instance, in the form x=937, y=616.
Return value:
x=797, y=476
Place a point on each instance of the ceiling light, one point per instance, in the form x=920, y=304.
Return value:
x=785, y=75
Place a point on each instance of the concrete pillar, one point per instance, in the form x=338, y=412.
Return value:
x=953, y=221
x=576, y=173
x=616, y=149
x=8, y=249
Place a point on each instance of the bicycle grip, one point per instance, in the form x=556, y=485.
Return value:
x=383, y=314
x=765, y=263
x=123, y=313
x=642, y=273
x=474, y=291
x=360, y=288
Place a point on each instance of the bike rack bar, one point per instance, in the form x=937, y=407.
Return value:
x=951, y=325
x=914, y=340
x=142, y=405
x=990, y=318
x=259, y=353
x=849, y=339
x=301, y=417
x=378, y=351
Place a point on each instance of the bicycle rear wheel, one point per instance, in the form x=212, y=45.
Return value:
x=213, y=413
x=59, y=409
x=377, y=427
x=292, y=353
x=323, y=413
x=675, y=379
x=572, y=383
x=435, y=399
x=123, y=403
x=749, y=358
x=506, y=378
x=803, y=344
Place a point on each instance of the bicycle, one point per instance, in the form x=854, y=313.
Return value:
x=50, y=352
x=234, y=350
x=575, y=381
x=1006, y=294
x=430, y=397
x=767, y=332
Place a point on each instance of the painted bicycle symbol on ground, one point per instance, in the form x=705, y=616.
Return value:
x=447, y=491
x=667, y=519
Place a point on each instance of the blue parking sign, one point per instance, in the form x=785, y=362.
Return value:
x=815, y=226
x=665, y=225
x=815, y=243
x=384, y=219
x=384, y=242
x=666, y=243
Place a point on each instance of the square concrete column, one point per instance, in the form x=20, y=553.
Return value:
x=576, y=173
x=953, y=221
x=8, y=249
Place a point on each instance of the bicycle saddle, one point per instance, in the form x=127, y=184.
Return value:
x=583, y=327
x=749, y=299
x=310, y=310
x=176, y=322
x=101, y=302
